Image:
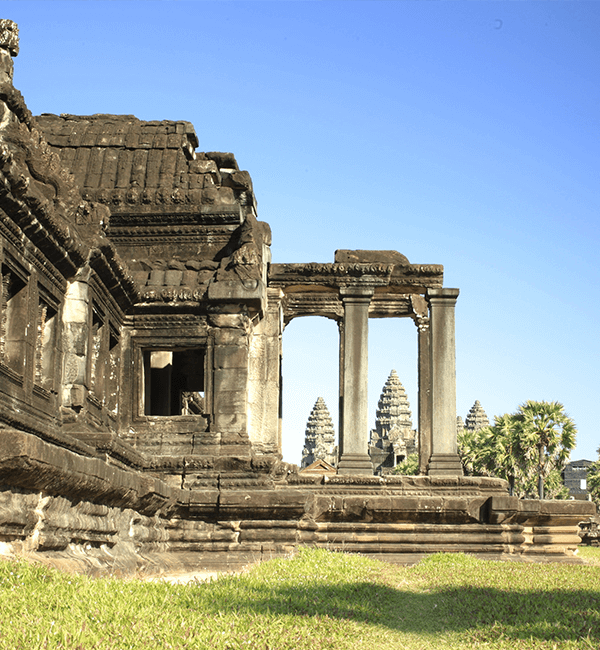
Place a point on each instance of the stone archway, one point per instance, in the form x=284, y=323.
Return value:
x=310, y=356
x=383, y=284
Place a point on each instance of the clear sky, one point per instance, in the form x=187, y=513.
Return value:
x=462, y=134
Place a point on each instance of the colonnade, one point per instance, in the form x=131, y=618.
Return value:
x=437, y=383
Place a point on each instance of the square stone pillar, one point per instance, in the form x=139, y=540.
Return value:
x=444, y=456
x=420, y=315
x=354, y=442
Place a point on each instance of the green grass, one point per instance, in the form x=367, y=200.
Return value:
x=591, y=554
x=316, y=600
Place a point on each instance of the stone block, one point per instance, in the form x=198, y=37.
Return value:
x=230, y=402
x=228, y=321
x=231, y=356
x=210, y=196
x=230, y=422
x=173, y=277
x=78, y=291
x=189, y=278
x=157, y=278
x=203, y=167
x=230, y=380
x=78, y=394
x=76, y=311
x=77, y=338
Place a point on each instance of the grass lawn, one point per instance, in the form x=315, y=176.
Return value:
x=316, y=600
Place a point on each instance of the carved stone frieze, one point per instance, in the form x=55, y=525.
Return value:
x=329, y=274
x=165, y=320
x=195, y=218
x=174, y=295
x=412, y=277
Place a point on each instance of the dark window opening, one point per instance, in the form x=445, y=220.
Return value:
x=174, y=382
x=400, y=459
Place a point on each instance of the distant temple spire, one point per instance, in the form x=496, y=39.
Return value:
x=477, y=418
x=393, y=438
x=319, y=442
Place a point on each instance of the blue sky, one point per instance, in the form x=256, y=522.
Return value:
x=462, y=134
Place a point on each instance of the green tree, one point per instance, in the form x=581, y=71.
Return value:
x=409, y=466
x=497, y=451
x=548, y=435
x=528, y=449
x=554, y=488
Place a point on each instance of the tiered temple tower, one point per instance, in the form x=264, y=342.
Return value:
x=320, y=436
x=476, y=418
x=393, y=438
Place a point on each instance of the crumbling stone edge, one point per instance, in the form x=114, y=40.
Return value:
x=83, y=514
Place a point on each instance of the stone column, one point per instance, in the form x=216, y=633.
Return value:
x=230, y=377
x=420, y=315
x=341, y=389
x=354, y=444
x=444, y=456
x=76, y=341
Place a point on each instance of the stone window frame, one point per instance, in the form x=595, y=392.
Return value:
x=104, y=358
x=144, y=344
x=113, y=374
x=14, y=318
x=47, y=352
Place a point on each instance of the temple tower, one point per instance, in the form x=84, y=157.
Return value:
x=393, y=438
x=477, y=418
x=319, y=441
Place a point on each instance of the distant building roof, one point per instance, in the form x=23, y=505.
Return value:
x=319, y=467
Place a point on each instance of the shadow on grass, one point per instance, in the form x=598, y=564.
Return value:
x=486, y=613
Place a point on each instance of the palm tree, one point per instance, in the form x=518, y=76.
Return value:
x=505, y=456
x=548, y=436
x=494, y=451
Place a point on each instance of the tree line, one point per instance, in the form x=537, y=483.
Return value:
x=528, y=448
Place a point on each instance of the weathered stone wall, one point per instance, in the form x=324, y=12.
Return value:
x=264, y=380
x=82, y=513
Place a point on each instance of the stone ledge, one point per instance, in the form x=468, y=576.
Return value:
x=28, y=462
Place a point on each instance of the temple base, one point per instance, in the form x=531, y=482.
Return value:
x=445, y=465
x=355, y=464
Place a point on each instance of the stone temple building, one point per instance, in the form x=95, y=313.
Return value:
x=141, y=324
x=476, y=418
x=319, y=436
x=393, y=439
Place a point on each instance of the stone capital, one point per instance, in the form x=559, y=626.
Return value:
x=440, y=296
x=357, y=291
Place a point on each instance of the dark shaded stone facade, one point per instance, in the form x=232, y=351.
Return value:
x=140, y=362
x=574, y=477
